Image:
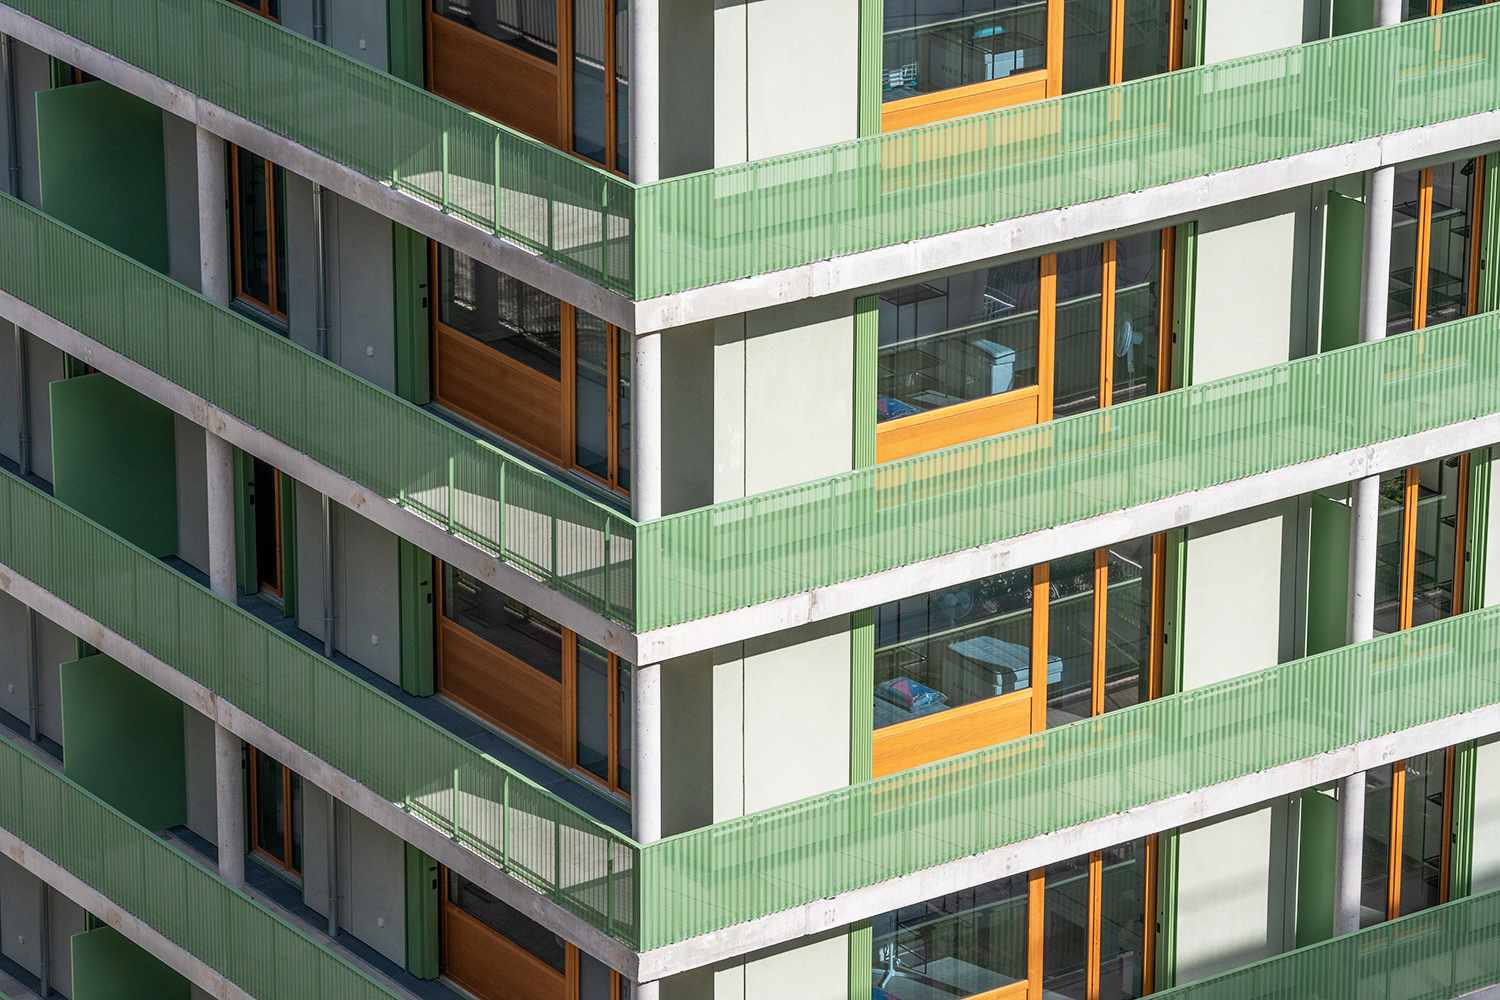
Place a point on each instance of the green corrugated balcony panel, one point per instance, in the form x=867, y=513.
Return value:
x=785, y=211
x=176, y=897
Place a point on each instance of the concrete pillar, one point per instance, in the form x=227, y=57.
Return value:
x=213, y=217
x=646, y=439
x=220, y=490
x=645, y=91
x=229, y=811
x=1380, y=187
x=646, y=794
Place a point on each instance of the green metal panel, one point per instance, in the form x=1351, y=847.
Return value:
x=871, y=65
x=1476, y=568
x=114, y=459
x=122, y=740
x=1167, y=853
x=106, y=966
x=1328, y=576
x=413, y=316
x=102, y=167
x=1461, y=853
x=417, y=613
x=246, y=555
x=261, y=952
x=861, y=683
x=1342, y=279
x=1317, y=845
x=495, y=811
x=422, y=952
x=861, y=941
x=1350, y=16
x=1195, y=31
x=866, y=350
x=1489, y=239
x=1448, y=951
x=404, y=34
x=1184, y=303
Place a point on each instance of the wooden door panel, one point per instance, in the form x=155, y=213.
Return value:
x=514, y=696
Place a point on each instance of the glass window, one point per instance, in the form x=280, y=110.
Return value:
x=1065, y=938
x=956, y=339
x=1148, y=38
x=1122, y=924
x=590, y=111
x=1422, y=832
x=952, y=647
x=961, y=945
x=1080, y=283
x=528, y=25
x=594, y=979
x=1127, y=612
x=519, y=321
x=933, y=45
x=503, y=622
x=1374, y=897
x=1070, y=639
x=623, y=416
x=1086, y=28
x=624, y=758
x=509, y=923
x=1389, y=540
x=1437, y=555
x=276, y=811
x=259, y=232
x=1452, y=229
x=591, y=395
x=622, y=86
x=592, y=710
x=1137, y=317
x=1405, y=220
x=1412, y=10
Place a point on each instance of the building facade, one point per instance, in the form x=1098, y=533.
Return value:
x=834, y=499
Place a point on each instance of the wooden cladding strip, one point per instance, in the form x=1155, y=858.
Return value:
x=955, y=731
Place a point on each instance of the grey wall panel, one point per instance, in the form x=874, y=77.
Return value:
x=33, y=73
x=10, y=395
x=1487, y=818
x=372, y=876
x=179, y=144
x=355, y=27
x=309, y=561
x=15, y=668
x=301, y=262
x=687, y=412
x=687, y=741
x=46, y=364
x=198, y=768
x=687, y=86
x=367, y=595
x=68, y=918
x=1233, y=28
x=192, y=492
x=315, y=812
x=54, y=646
x=361, y=291
x=20, y=916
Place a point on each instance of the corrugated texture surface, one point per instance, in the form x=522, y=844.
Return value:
x=784, y=542
x=515, y=824
x=1443, y=952
x=383, y=127
x=866, y=377
x=871, y=59
x=882, y=190
x=531, y=519
x=259, y=951
x=851, y=838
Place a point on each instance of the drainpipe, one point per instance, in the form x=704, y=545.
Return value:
x=328, y=564
x=1380, y=186
x=333, y=865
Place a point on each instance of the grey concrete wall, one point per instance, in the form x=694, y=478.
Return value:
x=10, y=388
x=372, y=880
x=20, y=916
x=817, y=970
x=180, y=149
x=32, y=74
x=315, y=856
x=1487, y=818
x=355, y=27
x=67, y=919
x=198, y=772
x=1233, y=28
x=687, y=86
x=46, y=364
x=54, y=647
x=769, y=56
x=15, y=668
x=192, y=492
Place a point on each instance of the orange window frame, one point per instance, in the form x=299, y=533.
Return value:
x=285, y=859
x=236, y=228
x=261, y=7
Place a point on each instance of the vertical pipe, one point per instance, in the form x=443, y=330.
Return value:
x=1380, y=185
x=23, y=402
x=328, y=564
x=34, y=678
x=13, y=138
x=646, y=444
x=320, y=254
x=320, y=21
x=645, y=91
x=333, y=865
x=645, y=800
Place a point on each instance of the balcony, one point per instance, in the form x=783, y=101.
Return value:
x=788, y=211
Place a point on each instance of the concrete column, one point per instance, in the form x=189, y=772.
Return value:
x=229, y=812
x=213, y=217
x=646, y=439
x=645, y=91
x=220, y=490
x=1380, y=188
x=646, y=797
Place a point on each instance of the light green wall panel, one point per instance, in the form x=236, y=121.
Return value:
x=404, y=28
x=114, y=459
x=1345, y=243
x=1328, y=576
x=108, y=967
x=415, y=568
x=1350, y=16
x=1316, y=847
x=413, y=311
x=102, y=167
x=871, y=58
x=866, y=349
x=422, y=956
x=122, y=740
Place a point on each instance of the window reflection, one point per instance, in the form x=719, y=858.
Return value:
x=1122, y=926
x=959, y=945
x=589, y=108
x=500, y=311
x=1086, y=30
x=504, y=622
x=1070, y=638
x=1374, y=896
x=1389, y=546
x=1066, y=934
x=1452, y=230
x=1079, y=289
x=1148, y=48
x=528, y=25
x=933, y=45
x=1422, y=832
x=1127, y=644
x=1137, y=315
x=1438, y=545
x=1404, y=226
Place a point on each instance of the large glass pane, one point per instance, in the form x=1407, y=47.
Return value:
x=1452, y=233
x=253, y=219
x=1148, y=37
x=529, y=25
x=932, y=45
x=1127, y=640
x=1423, y=832
x=1438, y=545
x=623, y=415
x=270, y=811
x=1135, y=344
x=1066, y=932
x=593, y=978
x=955, y=339
x=1412, y=10
x=1404, y=251
x=624, y=752
x=519, y=321
x=1389, y=539
x=509, y=923
x=1122, y=925
x=592, y=710
x=1086, y=26
x=503, y=622
x=961, y=945
x=591, y=395
x=1376, y=868
x=1080, y=279
x=590, y=112
x=952, y=647
x=622, y=86
x=1070, y=639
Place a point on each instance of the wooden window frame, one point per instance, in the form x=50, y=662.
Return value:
x=286, y=862
x=274, y=307
x=445, y=628
x=261, y=7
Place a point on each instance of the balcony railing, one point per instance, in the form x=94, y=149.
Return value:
x=1448, y=951
x=259, y=951
x=771, y=545
x=708, y=879
x=784, y=211
x=541, y=840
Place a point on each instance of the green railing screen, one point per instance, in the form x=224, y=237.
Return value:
x=769, y=861
x=494, y=177
x=258, y=950
x=551, y=846
x=1448, y=951
x=882, y=190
